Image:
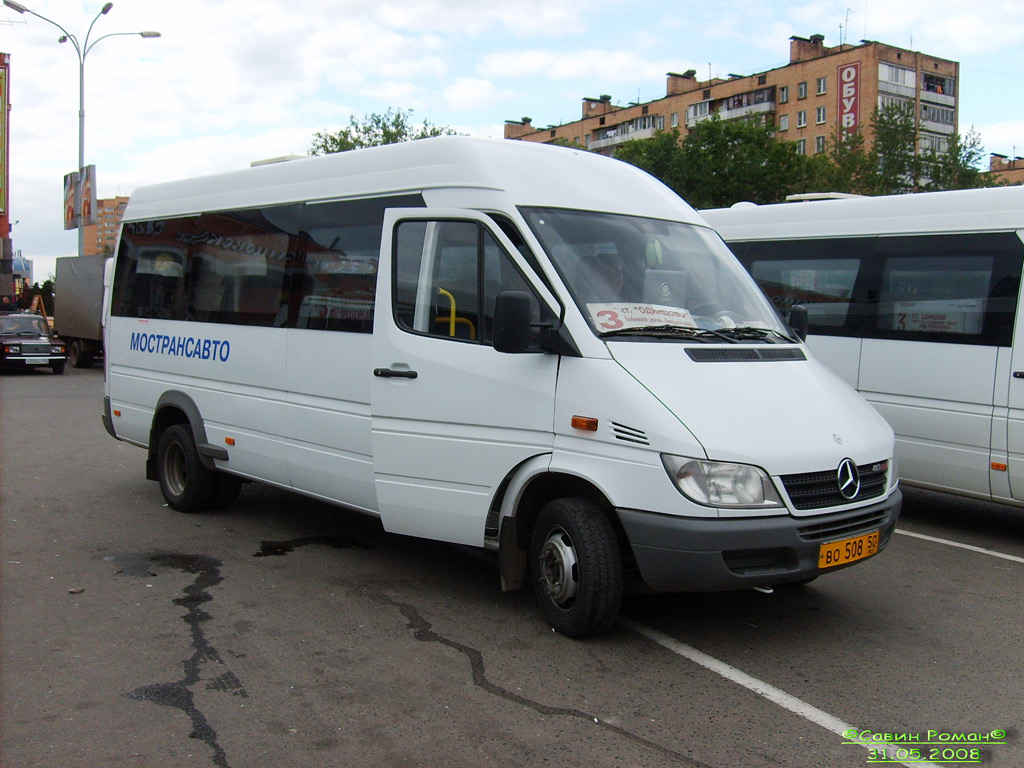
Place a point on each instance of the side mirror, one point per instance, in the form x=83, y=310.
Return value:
x=798, y=320
x=512, y=321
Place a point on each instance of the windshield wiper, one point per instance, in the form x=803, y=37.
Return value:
x=669, y=331
x=745, y=332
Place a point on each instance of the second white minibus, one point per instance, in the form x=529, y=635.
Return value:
x=533, y=350
x=915, y=301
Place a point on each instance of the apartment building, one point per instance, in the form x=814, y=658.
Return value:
x=101, y=237
x=820, y=90
x=1005, y=170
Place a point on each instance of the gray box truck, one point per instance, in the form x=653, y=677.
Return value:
x=78, y=307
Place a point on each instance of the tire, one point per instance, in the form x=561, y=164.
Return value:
x=78, y=356
x=186, y=484
x=58, y=368
x=577, y=567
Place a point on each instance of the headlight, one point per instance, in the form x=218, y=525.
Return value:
x=57, y=349
x=717, y=484
x=12, y=349
x=894, y=475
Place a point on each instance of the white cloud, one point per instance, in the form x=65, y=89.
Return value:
x=467, y=93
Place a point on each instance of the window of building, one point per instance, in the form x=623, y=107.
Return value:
x=783, y=94
x=801, y=90
x=783, y=122
x=819, y=115
x=931, y=143
x=762, y=79
x=801, y=146
x=938, y=84
x=890, y=102
x=819, y=144
x=938, y=114
x=890, y=73
x=822, y=85
x=801, y=118
x=674, y=120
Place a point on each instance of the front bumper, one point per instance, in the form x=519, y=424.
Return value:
x=677, y=554
x=31, y=361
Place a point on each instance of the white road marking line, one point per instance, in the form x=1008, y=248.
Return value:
x=993, y=553
x=770, y=692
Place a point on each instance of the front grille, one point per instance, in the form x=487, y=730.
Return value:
x=819, y=490
x=35, y=349
x=834, y=529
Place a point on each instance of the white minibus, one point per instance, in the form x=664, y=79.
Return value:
x=531, y=350
x=913, y=300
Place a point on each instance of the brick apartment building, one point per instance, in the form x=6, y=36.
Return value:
x=805, y=101
x=101, y=237
x=1002, y=168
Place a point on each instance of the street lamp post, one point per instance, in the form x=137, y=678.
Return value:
x=82, y=49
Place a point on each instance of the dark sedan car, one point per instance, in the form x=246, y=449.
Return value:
x=26, y=341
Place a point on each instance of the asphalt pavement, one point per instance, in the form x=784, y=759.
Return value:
x=284, y=632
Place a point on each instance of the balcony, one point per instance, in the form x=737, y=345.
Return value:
x=620, y=135
x=736, y=113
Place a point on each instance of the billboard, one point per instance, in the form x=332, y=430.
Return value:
x=80, y=212
x=849, y=97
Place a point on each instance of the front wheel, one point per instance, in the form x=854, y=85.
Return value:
x=577, y=567
x=187, y=485
x=58, y=368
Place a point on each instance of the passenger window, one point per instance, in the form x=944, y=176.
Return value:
x=824, y=287
x=335, y=275
x=935, y=295
x=448, y=275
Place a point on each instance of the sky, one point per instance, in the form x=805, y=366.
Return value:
x=233, y=81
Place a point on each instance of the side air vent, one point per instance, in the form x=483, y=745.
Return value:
x=745, y=354
x=629, y=434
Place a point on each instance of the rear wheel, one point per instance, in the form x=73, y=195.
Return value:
x=186, y=484
x=78, y=356
x=577, y=567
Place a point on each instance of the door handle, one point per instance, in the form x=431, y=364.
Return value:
x=1018, y=374
x=391, y=373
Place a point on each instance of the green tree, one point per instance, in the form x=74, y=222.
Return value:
x=958, y=167
x=720, y=162
x=897, y=165
x=845, y=166
x=373, y=130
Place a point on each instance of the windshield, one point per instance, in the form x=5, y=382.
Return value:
x=22, y=325
x=633, y=276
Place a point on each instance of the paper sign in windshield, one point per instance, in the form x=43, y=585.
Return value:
x=621, y=315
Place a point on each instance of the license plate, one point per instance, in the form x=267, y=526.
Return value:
x=30, y=361
x=847, y=550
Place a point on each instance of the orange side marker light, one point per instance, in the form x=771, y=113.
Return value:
x=585, y=423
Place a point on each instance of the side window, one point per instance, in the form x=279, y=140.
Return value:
x=937, y=295
x=238, y=265
x=825, y=288
x=447, y=277
x=220, y=267
x=334, y=280
x=951, y=288
x=823, y=276
x=311, y=266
